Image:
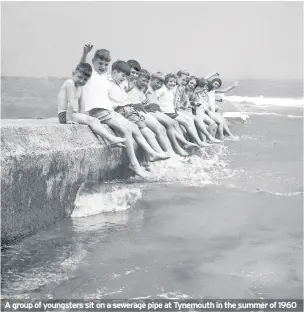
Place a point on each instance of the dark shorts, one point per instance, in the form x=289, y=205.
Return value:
x=62, y=117
x=172, y=115
x=101, y=114
x=131, y=114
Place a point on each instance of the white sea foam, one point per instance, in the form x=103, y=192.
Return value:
x=192, y=171
x=274, y=114
x=265, y=101
x=114, y=199
x=288, y=194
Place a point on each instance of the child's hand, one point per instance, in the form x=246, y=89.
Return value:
x=145, y=102
x=88, y=47
x=139, y=107
x=154, y=107
x=71, y=122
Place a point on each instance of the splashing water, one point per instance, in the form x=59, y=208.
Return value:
x=201, y=170
x=109, y=199
x=195, y=170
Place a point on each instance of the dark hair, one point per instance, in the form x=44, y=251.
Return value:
x=202, y=82
x=210, y=83
x=134, y=64
x=144, y=73
x=84, y=68
x=169, y=76
x=121, y=66
x=193, y=78
x=159, y=76
x=182, y=72
x=103, y=54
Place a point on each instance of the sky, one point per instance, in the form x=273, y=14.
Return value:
x=241, y=40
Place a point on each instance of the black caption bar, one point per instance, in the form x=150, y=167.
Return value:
x=153, y=305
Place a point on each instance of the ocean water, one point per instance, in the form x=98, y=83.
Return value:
x=228, y=224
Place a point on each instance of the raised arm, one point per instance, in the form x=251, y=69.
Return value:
x=228, y=88
x=211, y=75
x=86, y=50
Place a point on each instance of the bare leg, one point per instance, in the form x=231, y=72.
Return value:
x=150, y=138
x=227, y=131
x=140, y=140
x=212, y=127
x=220, y=123
x=168, y=124
x=97, y=128
x=202, y=128
x=160, y=132
x=188, y=123
x=118, y=125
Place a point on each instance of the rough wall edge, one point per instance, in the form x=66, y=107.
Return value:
x=40, y=180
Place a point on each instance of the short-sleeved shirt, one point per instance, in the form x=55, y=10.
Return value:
x=117, y=95
x=127, y=85
x=166, y=99
x=202, y=98
x=181, y=100
x=212, y=100
x=94, y=93
x=137, y=96
x=152, y=96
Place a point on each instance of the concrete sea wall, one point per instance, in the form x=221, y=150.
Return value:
x=43, y=166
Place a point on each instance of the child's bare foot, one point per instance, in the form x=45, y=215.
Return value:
x=183, y=153
x=191, y=147
x=117, y=145
x=139, y=171
x=214, y=140
x=146, y=165
x=159, y=156
x=117, y=140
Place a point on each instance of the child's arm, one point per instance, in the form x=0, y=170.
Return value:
x=81, y=104
x=86, y=50
x=71, y=102
x=211, y=75
x=151, y=106
x=228, y=88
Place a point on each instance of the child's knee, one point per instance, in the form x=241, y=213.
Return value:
x=160, y=130
x=141, y=125
x=133, y=128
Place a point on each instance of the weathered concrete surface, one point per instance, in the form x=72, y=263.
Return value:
x=43, y=165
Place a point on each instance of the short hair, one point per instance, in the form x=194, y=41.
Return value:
x=144, y=73
x=210, y=83
x=182, y=72
x=134, y=64
x=121, y=66
x=84, y=68
x=159, y=76
x=202, y=82
x=193, y=78
x=169, y=76
x=103, y=54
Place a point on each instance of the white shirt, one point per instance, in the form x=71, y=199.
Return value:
x=116, y=94
x=166, y=99
x=94, y=93
x=137, y=96
x=212, y=100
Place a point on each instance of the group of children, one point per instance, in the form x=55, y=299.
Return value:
x=162, y=113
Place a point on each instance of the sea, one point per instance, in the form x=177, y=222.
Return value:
x=226, y=224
